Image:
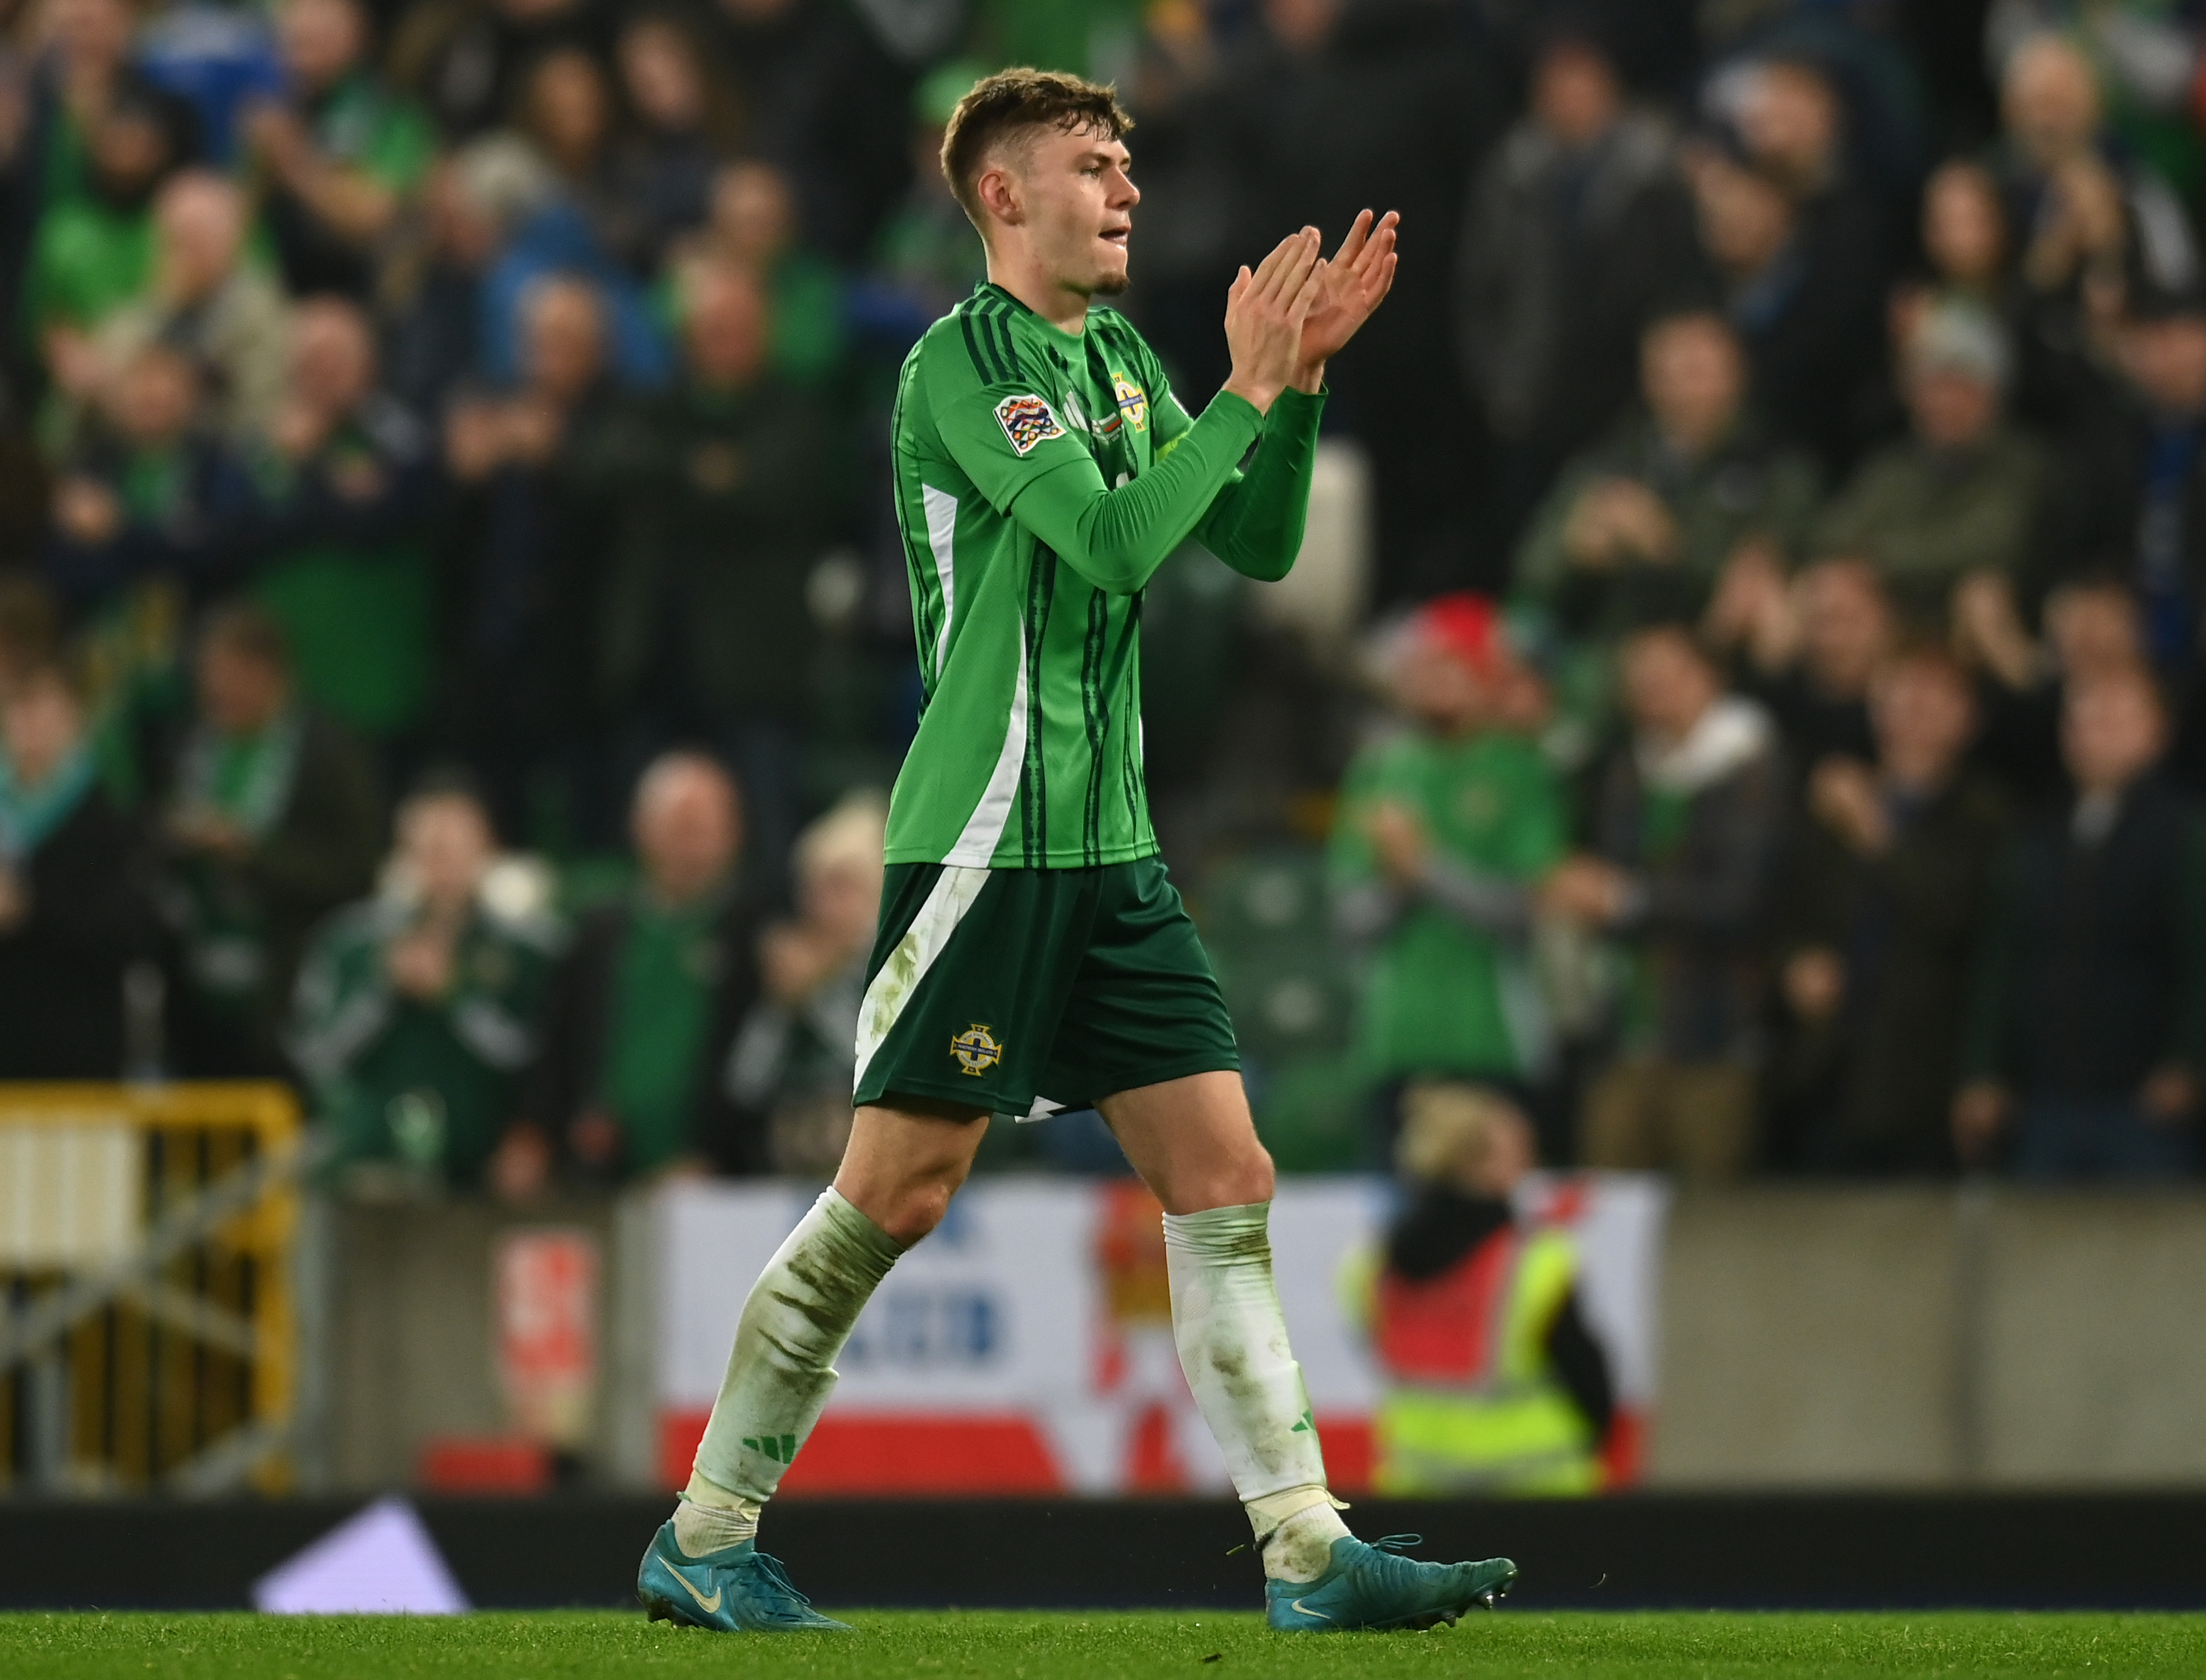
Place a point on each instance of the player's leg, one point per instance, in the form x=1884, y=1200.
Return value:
x=1192, y=1141
x=1195, y=1145
x=1145, y=1002
x=902, y=1166
x=1147, y=1022
x=904, y=1161
x=960, y=1002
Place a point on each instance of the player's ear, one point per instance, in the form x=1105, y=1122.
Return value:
x=997, y=190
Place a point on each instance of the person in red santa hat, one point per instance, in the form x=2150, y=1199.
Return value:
x=1448, y=822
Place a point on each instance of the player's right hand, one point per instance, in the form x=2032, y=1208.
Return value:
x=1264, y=316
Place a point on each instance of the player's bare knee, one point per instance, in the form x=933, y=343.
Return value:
x=1253, y=1178
x=917, y=1209
x=1233, y=1181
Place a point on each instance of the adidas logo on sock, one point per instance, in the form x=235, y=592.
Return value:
x=779, y=1448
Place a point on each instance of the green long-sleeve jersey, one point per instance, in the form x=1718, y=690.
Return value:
x=1041, y=477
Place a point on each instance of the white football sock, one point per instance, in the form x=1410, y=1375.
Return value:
x=702, y=1525
x=1301, y=1548
x=1232, y=1341
x=780, y=1371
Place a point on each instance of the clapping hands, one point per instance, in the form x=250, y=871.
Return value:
x=1297, y=311
x=1352, y=286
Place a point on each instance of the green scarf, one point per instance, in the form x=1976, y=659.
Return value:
x=246, y=777
x=29, y=813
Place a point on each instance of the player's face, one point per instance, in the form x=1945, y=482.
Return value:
x=1079, y=201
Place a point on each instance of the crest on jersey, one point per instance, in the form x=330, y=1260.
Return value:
x=1028, y=422
x=977, y=1050
x=1133, y=401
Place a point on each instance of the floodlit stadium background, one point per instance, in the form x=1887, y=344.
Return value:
x=471, y=400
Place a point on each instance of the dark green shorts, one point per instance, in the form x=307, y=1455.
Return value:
x=1028, y=991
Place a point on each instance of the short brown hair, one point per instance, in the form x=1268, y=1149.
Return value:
x=1010, y=100
x=248, y=632
x=1932, y=657
x=1666, y=626
x=2133, y=675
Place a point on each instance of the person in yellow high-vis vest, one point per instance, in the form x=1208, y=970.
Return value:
x=1493, y=1383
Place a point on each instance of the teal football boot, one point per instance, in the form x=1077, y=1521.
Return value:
x=736, y=1589
x=1373, y=1587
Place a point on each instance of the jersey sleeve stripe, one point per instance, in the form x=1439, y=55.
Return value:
x=982, y=364
x=1130, y=755
x=1120, y=677
x=996, y=369
x=1095, y=714
x=941, y=539
x=923, y=605
x=997, y=324
x=1041, y=595
x=984, y=830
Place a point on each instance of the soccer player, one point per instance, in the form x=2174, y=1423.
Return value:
x=1032, y=954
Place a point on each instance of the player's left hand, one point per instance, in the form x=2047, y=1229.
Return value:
x=1355, y=282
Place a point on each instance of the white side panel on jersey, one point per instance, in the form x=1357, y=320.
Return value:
x=955, y=890
x=976, y=846
x=941, y=537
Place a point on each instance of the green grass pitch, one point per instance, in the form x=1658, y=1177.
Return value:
x=1082, y=1646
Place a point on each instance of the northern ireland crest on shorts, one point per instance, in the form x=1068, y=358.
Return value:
x=1028, y=422
x=977, y=1050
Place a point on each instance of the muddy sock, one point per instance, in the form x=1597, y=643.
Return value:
x=1299, y=1546
x=780, y=1372
x=1232, y=1341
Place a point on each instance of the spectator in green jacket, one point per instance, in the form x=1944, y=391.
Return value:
x=1444, y=829
x=926, y=257
x=752, y=227
x=346, y=476
x=341, y=155
x=93, y=253
x=633, y=1080
x=1961, y=495
x=417, y=1010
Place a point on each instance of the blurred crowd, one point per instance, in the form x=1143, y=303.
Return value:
x=1815, y=788
x=452, y=624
